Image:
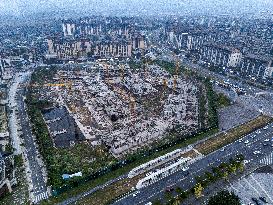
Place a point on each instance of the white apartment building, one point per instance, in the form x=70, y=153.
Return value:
x=234, y=58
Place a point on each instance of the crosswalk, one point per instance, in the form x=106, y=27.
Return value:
x=41, y=196
x=268, y=160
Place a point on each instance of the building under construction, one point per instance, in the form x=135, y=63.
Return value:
x=124, y=108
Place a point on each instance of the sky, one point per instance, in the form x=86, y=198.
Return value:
x=23, y=7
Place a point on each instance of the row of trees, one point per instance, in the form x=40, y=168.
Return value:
x=223, y=198
x=223, y=171
x=207, y=104
x=43, y=74
x=39, y=129
x=212, y=105
x=169, y=66
x=202, y=110
x=222, y=100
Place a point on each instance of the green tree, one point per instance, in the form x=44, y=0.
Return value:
x=177, y=201
x=18, y=160
x=241, y=166
x=168, y=196
x=198, y=189
x=232, y=168
x=217, y=172
x=222, y=100
x=224, y=198
x=9, y=148
x=223, y=165
x=209, y=176
x=157, y=202
x=178, y=190
x=225, y=175
x=184, y=194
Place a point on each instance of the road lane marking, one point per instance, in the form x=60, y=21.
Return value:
x=250, y=185
x=261, y=188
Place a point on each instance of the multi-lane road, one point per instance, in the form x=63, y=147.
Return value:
x=256, y=141
x=13, y=123
x=34, y=166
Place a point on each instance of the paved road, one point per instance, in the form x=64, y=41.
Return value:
x=34, y=169
x=13, y=122
x=156, y=191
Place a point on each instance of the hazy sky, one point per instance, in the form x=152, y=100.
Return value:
x=21, y=7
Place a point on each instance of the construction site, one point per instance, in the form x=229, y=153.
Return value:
x=123, y=108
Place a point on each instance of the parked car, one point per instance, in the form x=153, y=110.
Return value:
x=256, y=201
x=263, y=199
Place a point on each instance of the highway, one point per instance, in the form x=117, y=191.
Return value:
x=185, y=181
x=35, y=170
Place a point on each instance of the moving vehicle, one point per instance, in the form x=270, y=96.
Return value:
x=135, y=194
x=257, y=152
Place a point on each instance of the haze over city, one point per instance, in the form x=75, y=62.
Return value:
x=136, y=7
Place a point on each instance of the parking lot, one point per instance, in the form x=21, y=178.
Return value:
x=254, y=186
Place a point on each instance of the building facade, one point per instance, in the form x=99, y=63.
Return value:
x=256, y=66
x=98, y=38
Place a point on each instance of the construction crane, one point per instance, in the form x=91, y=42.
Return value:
x=122, y=72
x=165, y=85
x=107, y=74
x=46, y=85
x=146, y=69
x=132, y=106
